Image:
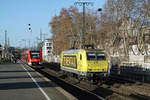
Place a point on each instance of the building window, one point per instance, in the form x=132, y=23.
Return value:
x=48, y=48
x=47, y=44
x=48, y=51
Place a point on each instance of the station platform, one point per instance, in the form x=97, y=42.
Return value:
x=20, y=82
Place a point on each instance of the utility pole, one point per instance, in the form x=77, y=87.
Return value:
x=30, y=30
x=29, y=44
x=41, y=35
x=83, y=35
x=44, y=36
x=24, y=43
x=8, y=42
x=41, y=40
x=5, y=48
x=5, y=38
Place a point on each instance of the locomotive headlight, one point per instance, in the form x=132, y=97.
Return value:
x=40, y=63
x=89, y=70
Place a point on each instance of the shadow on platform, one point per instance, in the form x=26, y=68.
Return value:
x=24, y=85
x=15, y=71
x=18, y=77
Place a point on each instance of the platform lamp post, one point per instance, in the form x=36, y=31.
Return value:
x=99, y=10
x=83, y=35
x=30, y=30
x=24, y=43
x=29, y=25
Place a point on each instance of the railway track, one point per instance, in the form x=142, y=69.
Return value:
x=131, y=88
x=83, y=90
x=119, y=79
x=76, y=91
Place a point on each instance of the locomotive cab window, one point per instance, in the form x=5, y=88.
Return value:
x=101, y=56
x=35, y=55
x=91, y=56
x=96, y=56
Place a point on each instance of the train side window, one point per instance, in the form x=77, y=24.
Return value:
x=80, y=57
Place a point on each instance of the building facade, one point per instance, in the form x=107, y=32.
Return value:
x=1, y=51
x=47, y=50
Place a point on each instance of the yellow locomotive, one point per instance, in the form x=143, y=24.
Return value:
x=91, y=64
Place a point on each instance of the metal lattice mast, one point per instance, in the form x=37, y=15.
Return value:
x=83, y=35
x=5, y=49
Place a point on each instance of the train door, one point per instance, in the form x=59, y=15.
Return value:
x=79, y=65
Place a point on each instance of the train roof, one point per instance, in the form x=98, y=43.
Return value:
x=34, y=50
x=75, y=51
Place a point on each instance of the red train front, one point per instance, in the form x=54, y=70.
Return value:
x=32, y=57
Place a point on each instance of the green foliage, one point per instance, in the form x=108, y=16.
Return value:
x=44, y=61
x=39, y=47
x=4, y=60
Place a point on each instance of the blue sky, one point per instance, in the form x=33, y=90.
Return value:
x=15, y=15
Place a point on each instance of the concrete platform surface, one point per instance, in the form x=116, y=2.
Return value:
x=20, y=82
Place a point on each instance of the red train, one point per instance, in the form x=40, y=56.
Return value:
x=32, y=57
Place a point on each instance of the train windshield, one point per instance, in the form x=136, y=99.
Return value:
x=96, y=56
x=35, y=54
